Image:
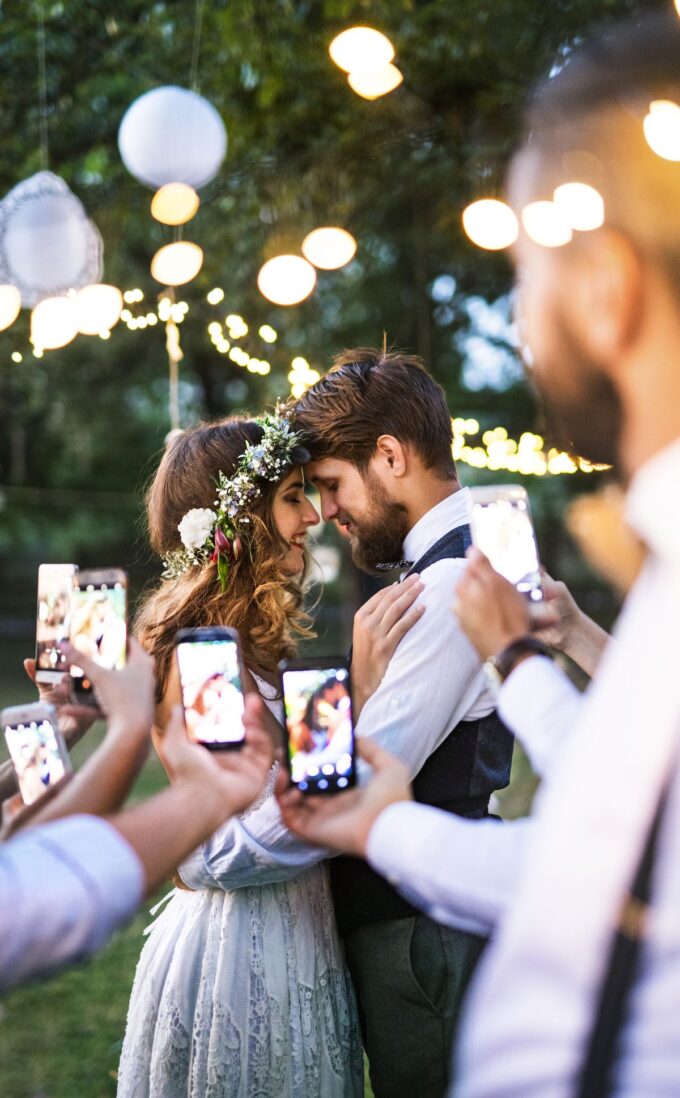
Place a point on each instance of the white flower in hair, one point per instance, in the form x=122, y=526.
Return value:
x=216, y=535
x=196, y=527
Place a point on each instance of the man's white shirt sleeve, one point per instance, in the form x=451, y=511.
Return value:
x=460, y=872
x=540, y=705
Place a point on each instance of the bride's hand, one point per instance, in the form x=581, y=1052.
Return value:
x=378, y=627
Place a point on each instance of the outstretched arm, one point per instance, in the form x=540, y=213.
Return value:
x=461, y=872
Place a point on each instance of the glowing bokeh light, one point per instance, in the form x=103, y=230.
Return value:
x=286, y=279
x=490, y=224
x=175, y=204
x=581, y=204
x=361, y=48
x=10, y=305
x=99, y=308
x=54, y=323
x=329, y=248
x=372, y=83
x=662, y=129
x=175, y=264
x=545, y=224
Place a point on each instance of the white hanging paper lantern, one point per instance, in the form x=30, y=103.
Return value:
x=329, y=247
x=99, y=307
x=48, y=245
x=286, y=279
x=54, y=323
x=175, y=264
x=175, y=204
x=10, y=306
x=171, y=135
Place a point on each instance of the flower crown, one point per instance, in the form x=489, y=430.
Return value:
x=216, y=536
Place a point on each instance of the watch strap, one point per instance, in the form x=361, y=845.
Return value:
x=507, y=659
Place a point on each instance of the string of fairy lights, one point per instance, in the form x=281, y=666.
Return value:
x=367, y=58
x=493, y=449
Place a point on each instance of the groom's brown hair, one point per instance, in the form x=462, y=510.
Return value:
x=368, y=393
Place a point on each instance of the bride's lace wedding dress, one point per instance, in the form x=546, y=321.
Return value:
x=244, y=994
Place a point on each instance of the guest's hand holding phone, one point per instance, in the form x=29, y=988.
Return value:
x=234, y=778
x=489, y=608
x=343, y=822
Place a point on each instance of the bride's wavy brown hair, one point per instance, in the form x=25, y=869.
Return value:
x=263, y=604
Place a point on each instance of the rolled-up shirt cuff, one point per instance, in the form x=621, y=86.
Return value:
x=539, y=704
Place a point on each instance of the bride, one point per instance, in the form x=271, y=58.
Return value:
x=239, y=993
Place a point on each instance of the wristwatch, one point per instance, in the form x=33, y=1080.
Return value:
x=505, y=661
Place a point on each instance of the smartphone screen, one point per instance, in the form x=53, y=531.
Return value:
x=503, y=530
x=56, y=583
x=99, y=623
x=37, y=751
x=210, y=675
x=318, y=707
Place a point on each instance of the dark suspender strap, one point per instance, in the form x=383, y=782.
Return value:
x=613, y=1001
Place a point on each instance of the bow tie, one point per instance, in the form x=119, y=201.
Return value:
x=392, y=565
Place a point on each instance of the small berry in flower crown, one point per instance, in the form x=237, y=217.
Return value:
x=217, y=535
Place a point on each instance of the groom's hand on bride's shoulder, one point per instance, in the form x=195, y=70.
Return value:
x=343, y=821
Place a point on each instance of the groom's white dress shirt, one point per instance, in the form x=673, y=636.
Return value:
x=64, y=888
x=433, y=681
x=532, y=1000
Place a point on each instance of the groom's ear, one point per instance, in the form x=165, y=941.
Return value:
x=390, y=455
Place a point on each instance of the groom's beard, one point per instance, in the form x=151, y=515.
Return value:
x=379, y=536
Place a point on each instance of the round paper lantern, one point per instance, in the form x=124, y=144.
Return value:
x=361, y=48
x=171, y=135
x=490, y=224
x=175, y=264
x=286, y=279
x=329, y=248
x=54, y=323
x=10, y=306
x=99, y=307
x=175, y=204
x=372, y=83
x=48, y=245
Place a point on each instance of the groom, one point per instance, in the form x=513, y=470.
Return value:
x=379, y=433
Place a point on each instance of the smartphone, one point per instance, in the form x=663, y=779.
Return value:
x=317, y=698
x=501, y=527
x=211, y=678
x=56, y=584
x=36, y=747
x=98, y=624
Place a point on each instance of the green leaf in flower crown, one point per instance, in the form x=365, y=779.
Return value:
x=223, y=570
